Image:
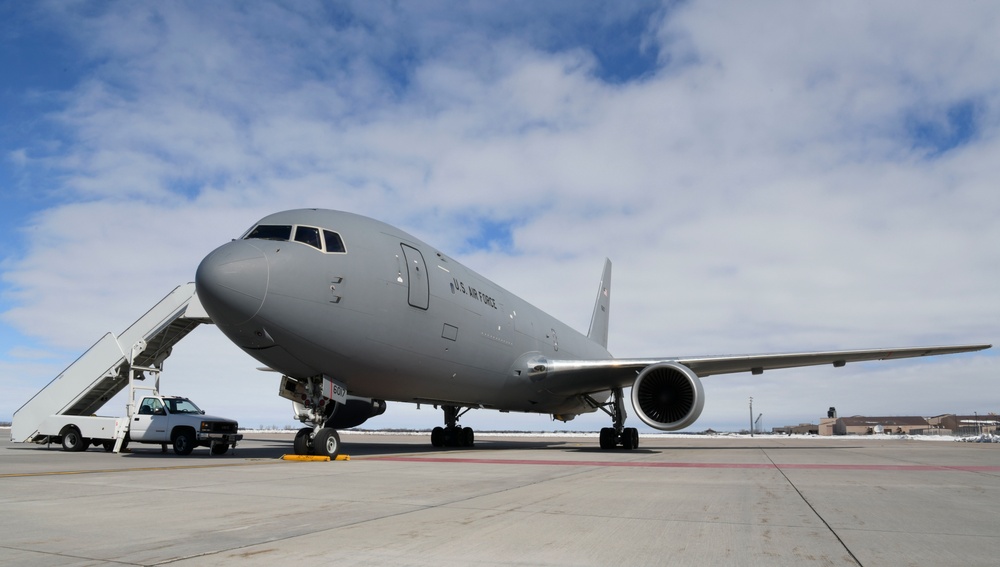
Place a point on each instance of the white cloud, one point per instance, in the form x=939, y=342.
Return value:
x=759, y=191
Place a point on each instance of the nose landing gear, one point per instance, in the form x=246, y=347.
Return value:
x=322, y=441
x=313, y=408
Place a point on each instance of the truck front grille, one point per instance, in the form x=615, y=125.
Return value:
x=218, y=427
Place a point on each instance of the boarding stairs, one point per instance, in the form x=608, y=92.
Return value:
x=114, y=363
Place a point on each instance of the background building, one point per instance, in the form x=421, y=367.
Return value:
x=863, y=425
x=800, y=429
x=966, y=424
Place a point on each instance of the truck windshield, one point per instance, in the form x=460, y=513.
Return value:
x=181, y=405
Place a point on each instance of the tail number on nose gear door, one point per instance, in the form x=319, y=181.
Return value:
x=334, y=390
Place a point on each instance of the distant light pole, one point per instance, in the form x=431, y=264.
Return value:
x=751, y=416
x=979, y=428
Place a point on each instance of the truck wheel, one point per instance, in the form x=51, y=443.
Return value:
x=72, y=440
x=327, y=443
x=184, y=442
x=220, y=448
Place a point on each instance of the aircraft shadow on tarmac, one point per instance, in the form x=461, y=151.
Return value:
x=752, y=447
x=276, y=448
x=263, y=448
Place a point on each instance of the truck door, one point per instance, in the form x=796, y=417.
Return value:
x=419, y=288
x=150, y=422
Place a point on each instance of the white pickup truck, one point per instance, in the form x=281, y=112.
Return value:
x=157, y=419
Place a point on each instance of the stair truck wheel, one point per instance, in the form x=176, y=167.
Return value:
x=72, y=440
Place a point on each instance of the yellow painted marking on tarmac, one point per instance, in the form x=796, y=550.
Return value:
x=137, y=469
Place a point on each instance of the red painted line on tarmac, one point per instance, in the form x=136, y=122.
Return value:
x=667, y=465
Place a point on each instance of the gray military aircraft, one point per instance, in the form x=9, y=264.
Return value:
x=353, y=312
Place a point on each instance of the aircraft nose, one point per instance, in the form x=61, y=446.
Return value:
x=232, y=282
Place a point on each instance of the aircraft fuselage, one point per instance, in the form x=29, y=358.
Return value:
x=386, y=314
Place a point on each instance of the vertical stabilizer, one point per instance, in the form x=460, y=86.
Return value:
x=602, y=308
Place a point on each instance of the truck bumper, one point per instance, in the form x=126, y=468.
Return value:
x=230, y=438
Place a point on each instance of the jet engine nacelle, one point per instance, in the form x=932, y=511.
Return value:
x=355, y=412
x=668, y=396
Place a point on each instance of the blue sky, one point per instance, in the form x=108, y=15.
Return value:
x=766, y=178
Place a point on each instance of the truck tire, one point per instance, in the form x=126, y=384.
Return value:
x=72, y=440
x=184, y=441
x=220, y=448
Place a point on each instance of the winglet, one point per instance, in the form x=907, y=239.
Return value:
x=602, y=308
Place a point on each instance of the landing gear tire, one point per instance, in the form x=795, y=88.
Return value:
x=220, y=448
x=608, y=438
x=327, y=443
x=452, y=434
x=630, y=438
x=108, y=446
x=72, y=440
x=453, y=437
x=303, y=441
x=184, y=442
x=437, y=437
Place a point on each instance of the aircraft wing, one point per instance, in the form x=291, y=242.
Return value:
x=586, y=376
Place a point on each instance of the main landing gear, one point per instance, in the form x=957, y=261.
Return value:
x=619, y=435
x=452, y=435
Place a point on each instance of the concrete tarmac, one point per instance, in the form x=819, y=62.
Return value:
x=508, y=501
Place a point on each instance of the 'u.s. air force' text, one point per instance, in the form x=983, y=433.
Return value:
x=473, y=293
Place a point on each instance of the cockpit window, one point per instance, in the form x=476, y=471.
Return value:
x=308, y=235
x=270, y=232
x=333, y=242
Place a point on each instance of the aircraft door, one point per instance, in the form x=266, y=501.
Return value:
x=419, y=288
